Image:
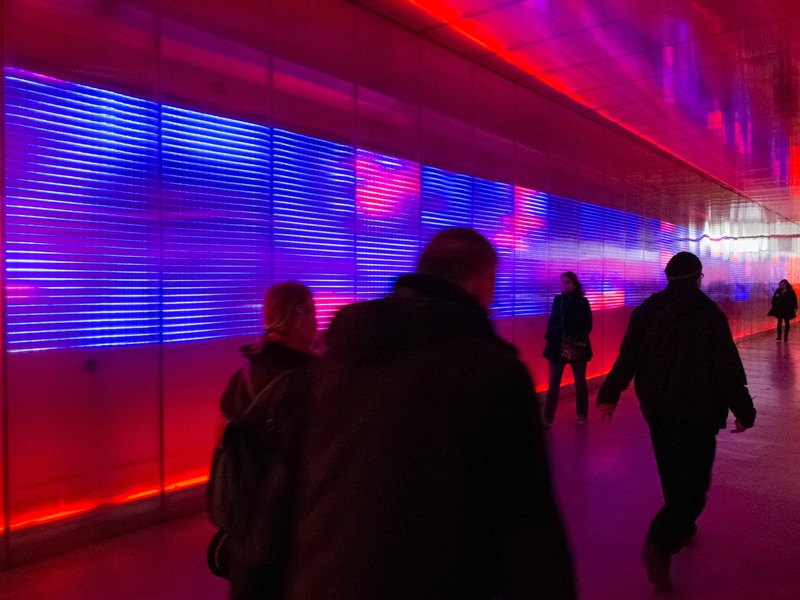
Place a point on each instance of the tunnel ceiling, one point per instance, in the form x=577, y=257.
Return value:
x=712, y=82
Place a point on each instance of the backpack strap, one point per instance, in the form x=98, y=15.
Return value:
x=265, y=391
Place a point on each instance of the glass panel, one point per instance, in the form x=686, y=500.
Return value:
x=313, y=235
x=388, y=222
x=446, y=201
x=82, y=252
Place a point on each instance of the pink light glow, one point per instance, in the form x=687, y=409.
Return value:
x=384, y=185
x=328, y=304
x=606, y=299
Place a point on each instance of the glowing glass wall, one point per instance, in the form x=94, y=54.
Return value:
x=165, y=162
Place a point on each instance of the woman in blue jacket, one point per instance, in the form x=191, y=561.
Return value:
x=570, y=315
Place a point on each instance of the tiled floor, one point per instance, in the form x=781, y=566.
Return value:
x=748, y=544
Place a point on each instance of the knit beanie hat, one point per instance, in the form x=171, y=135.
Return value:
x=684, y=265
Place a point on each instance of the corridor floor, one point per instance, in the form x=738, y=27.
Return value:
x=747, y=547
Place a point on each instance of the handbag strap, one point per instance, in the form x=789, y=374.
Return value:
x=265, y=391
x=563, y=331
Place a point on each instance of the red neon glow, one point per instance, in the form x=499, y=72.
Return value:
x=794, y=170
x=445, y=13
x=39, y=517
x=186, y=483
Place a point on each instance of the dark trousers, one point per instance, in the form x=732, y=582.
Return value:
x=684, y=458
x=554, y=388
x=786, y=333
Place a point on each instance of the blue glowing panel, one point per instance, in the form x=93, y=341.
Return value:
x=446, y=201
x=591, y=252
x=314, y=218
x=613, y=258
x=216, y=225
x=655, y=277
x=563, y=217
x=82, y=230
x=532, y=281
x=493, y=216
x=388, y=221
x=637, y=287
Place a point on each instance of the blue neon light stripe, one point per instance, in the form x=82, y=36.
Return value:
x=314, y=218
x=215, y=224
x=130, y=222
x=81, y=216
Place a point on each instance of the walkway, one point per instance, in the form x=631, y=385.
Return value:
x=747, y=545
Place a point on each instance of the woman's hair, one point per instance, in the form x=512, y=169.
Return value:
x=788, y=285
x=578, y=291
x=284, y=304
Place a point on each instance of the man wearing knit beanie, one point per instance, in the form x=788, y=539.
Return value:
x=688, y=374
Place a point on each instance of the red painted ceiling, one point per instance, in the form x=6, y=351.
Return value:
x=712, y=82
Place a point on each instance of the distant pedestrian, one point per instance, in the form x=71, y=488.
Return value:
x=568, y=342
x=784, y=307
x=688, y=374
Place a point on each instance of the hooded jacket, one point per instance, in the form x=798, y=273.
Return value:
x=679, y=347
x=425, y=473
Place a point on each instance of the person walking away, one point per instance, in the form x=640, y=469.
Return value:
x=570, y=316
x=282, y=360
x=784, y=307
x=425, y=473
x=688, y=374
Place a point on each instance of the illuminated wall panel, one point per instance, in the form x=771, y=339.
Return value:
x=446, y=201
x=493, y=216
x=388, y=221
x=563, y=239
x=532, y=285
x=216, y=225
x=313, y=218
x=613, y=258
x=133, y=223
x=81, y=216
x=591, y=268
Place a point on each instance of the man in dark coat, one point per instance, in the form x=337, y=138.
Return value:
x=688, y=374
x=425, y=474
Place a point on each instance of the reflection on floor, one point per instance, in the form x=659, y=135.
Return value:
x=608, y=487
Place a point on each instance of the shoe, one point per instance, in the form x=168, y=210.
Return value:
x=581, y=420
x=778, y=339
x=657, y=563
x=546, y=424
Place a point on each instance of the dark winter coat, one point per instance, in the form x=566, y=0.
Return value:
x=784, y=304
x=577, y=323
x=688, y=372
x=425, y=475
x=260, y=549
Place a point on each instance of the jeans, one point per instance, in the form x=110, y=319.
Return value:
x=554, y=387
x=786, y=333
x=684, y=458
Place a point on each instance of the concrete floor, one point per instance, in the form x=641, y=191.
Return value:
x=748, y=543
